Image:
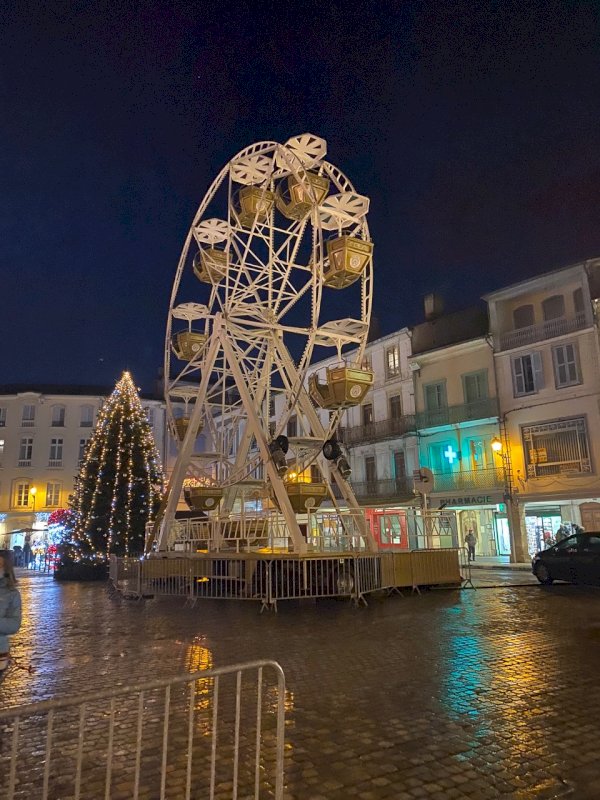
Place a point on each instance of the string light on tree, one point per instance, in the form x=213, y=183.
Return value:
x=120, y=483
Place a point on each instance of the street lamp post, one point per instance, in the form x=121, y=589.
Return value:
x=33, y=492
x=514, y=516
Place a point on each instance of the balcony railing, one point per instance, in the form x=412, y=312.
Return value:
x=470, y=480
x=55, y=462
x=542, y=331
x=375, y=431
x=395, y=490
x=452, y=415
x=24, y=462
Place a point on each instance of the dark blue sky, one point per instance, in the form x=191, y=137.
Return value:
x=475, y=133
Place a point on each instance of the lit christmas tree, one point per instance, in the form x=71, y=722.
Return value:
x=119, y=486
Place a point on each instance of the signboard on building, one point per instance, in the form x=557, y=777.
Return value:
x=491, y=499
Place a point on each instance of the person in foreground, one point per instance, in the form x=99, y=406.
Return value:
x=10, y=607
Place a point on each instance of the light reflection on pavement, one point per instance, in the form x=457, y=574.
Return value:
x=489, y=693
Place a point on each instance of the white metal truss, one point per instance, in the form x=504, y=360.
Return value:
x=262, y=316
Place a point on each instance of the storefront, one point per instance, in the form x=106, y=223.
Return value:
x=485, y=515
x=389, y=527
x=542, y=521
x=541, y=524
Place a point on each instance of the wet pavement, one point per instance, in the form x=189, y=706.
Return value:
x=487, y=693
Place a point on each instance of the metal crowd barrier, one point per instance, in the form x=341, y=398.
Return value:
x=268, y=579
x=218, y=733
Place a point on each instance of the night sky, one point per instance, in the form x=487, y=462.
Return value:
x=476, y=134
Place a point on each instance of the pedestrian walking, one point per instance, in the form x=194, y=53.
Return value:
x=470, y=541
x=10, y=607
x=26, y=552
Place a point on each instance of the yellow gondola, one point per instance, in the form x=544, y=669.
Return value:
x=181, y=426
x=202, y=498
x=297, y=202
x=303, y=496
x=347, y=259
x=187, y=344
x=210, y=265
x=255, y=204
x=344, y=386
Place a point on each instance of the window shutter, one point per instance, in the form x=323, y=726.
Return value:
x=538, y=371
x=518, y=380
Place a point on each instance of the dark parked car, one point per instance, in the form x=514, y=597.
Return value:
x=575, y=560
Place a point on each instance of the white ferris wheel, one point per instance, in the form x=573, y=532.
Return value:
x=279, y=237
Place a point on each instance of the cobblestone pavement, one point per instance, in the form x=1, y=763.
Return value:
x=489, y=578
x=450, y=694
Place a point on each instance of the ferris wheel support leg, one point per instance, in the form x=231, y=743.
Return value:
x=256, y=429
x=308, y=410
x=187, y=446
x=240, y=458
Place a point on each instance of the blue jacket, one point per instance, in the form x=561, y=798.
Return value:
x=10, y=613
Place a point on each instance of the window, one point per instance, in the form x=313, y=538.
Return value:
x=566, y=365
x=56, y=453
x=443, y=457
x=528, y=375
x=435, y=396
x=523, y=317
x=553, y=307
x=559, y=447
x=21, y=494
x=52, y=494
x=58, y=416
x=370, y=470
x=478, y=454
x=2, y=417
x=82, y=444
x=272, y=407
x=392, y=362
x=399, y=464
x=395, y=407
x=292, y=426
x=1, y=450
x=28, y=418
x=25, y=452
x=475, y=386
x=367, y=414
x=87, y=416
x=272, y=428
x=150, y=415
x=578, y=301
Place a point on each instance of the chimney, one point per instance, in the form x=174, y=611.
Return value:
x=434, y=306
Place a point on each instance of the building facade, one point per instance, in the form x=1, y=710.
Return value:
x=43, y=434
x=380, y=432
x=547, y=364
x=457, y=420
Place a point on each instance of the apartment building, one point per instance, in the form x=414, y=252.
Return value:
x=379, y=433
x=457, y=419
x=43, y=433
x=547, y=364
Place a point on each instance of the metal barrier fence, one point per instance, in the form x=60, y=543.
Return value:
x=218, y=733
x=325, y=530
x=270, y=579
